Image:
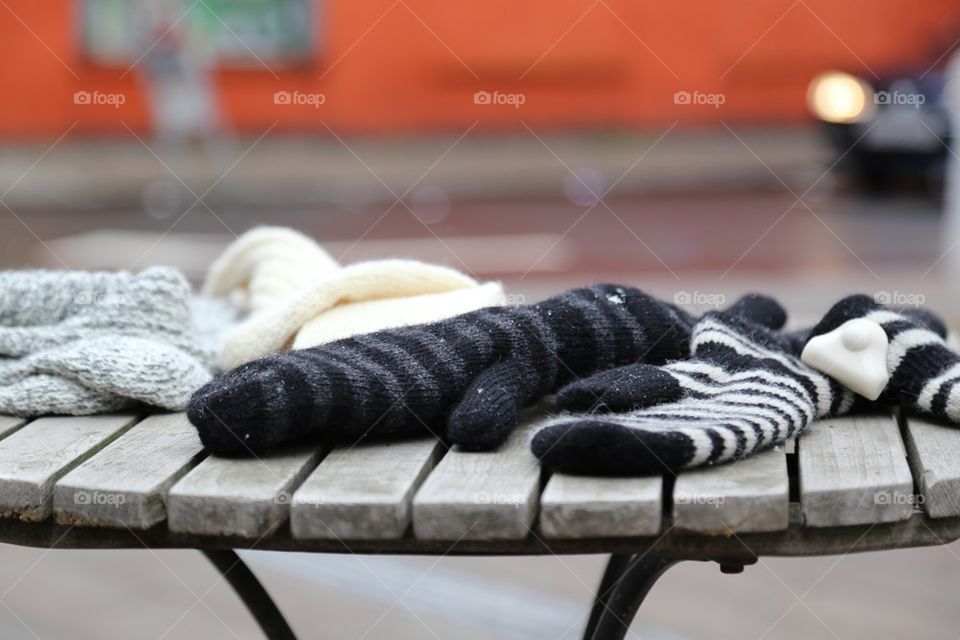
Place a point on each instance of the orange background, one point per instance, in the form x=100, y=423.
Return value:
x=391, y=66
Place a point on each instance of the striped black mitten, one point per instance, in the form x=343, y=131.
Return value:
x=468, y=377
x=924, y=372
x=744, y=390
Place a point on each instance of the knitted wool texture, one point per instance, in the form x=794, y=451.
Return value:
x=924, y=372
x=298, y=296
x=467, y=377
x=744, y=390
x=81, y=343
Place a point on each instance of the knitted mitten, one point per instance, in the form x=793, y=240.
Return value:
x=468, y=376
x=744, y=390
x=82, y=343
x=41, y=310
x=924, y=372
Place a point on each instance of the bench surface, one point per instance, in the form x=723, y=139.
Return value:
x=848, y=484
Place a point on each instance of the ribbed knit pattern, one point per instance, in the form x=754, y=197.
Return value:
x=924, y=371
x=467, y=377
x=744, y=390
x=296, y=294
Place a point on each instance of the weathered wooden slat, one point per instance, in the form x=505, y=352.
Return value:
x=248, y=497
x=126, y=483
x=481, y=496
x=751, y=495
x=34, y=457
x=854, y=471
x=585, y=507
x=363, y=492
x=934, y=451
x=9, y=424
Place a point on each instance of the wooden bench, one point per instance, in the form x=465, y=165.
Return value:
x=125, y=481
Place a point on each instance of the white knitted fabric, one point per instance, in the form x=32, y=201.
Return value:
x=298, y=297
x=347, y=320
x=265, y=266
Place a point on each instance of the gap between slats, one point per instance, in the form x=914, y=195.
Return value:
x=933, y=453
x=26, y=490
x=125, y=483
x=853, y=471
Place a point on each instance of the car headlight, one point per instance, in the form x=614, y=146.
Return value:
x=840, y=97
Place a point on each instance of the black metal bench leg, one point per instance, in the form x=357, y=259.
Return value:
x=254, y=596
x=616, y=566
x=630, y=579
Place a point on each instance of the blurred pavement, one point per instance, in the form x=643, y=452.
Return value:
x=277, y=172
x=709, y=247
x=125, y=595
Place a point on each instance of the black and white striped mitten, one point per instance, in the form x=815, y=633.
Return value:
x=924, y=372
x=744, y=390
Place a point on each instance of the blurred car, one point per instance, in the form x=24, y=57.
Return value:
x=888, y=131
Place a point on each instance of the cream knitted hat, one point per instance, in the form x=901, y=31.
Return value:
x=297, y=296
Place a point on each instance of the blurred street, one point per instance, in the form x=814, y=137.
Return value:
x=807, y=253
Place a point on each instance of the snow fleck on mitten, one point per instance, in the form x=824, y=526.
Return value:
x=744, y=390
x=81, y=343
x=924, y=372
x=467, y=377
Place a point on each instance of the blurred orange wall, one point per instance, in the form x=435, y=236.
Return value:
x=414, y=65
